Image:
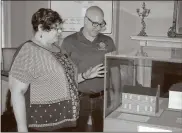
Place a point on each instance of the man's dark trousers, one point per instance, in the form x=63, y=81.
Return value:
x=91, y=105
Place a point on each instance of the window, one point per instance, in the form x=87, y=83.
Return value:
x=5, y=24
x=2, y=25
x=1, y=33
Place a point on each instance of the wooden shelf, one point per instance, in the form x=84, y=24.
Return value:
x=164, y=41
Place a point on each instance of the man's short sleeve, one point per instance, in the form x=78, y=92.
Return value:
x=112, y=47
x=66, y=45
x=22, y=67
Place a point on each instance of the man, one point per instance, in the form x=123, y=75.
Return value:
x=87, y=49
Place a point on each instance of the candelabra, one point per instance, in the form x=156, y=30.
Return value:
x=143, y=14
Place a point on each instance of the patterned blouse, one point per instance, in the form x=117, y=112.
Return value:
x=52, y=99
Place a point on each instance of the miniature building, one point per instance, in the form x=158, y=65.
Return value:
x=140, y=100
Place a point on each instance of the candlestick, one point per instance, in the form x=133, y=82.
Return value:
x=143, y=15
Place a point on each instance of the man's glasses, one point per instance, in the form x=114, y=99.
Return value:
x=95, y=24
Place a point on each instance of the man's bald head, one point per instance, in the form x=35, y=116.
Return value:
x=94, y=11
x=94, y=16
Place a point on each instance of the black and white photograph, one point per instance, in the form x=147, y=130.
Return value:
x=91, y=66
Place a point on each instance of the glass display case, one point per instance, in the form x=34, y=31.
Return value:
x=150, y=93
x=145, y=86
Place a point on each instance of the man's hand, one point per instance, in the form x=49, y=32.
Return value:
x=97, y=71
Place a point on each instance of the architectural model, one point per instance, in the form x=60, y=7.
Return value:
x=140, y=100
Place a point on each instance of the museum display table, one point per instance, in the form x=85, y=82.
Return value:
x=168, y=121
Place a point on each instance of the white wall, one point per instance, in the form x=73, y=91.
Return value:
x=31, y=8
x=126, y=24
x=21, y=13
x=18, y=13
x=158, y=22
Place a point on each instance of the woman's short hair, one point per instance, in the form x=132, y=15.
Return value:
x=46, y=17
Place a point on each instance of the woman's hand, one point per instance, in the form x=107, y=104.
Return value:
x=92, y=72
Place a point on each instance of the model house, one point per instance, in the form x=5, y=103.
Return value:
x=140, y=100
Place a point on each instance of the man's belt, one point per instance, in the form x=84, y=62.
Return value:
x=95, y=95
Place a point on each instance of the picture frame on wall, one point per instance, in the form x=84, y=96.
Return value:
x=176, y=29
x=179, y=17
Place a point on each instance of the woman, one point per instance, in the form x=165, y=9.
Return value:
x=48, y=77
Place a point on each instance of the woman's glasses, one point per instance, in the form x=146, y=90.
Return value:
x=58, y=29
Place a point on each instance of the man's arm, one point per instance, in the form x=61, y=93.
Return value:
x=92, y=72
x=66, y=46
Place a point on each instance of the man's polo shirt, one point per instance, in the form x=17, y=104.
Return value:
x=86, y=54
